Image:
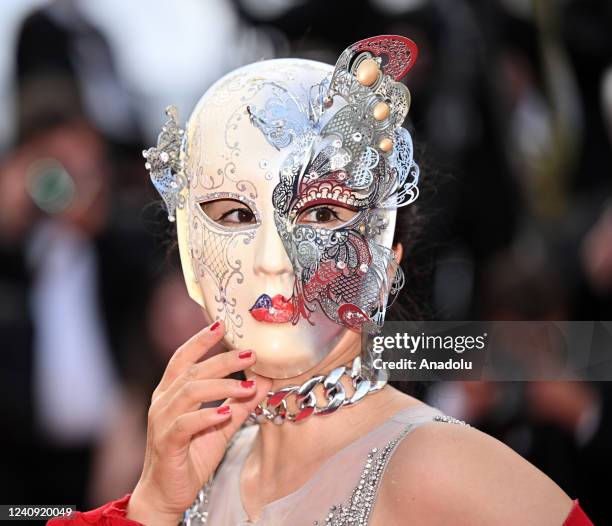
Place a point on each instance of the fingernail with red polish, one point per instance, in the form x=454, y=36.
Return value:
x=247, y=384
x=224, y=409
x=245, y=354
x=215, y=325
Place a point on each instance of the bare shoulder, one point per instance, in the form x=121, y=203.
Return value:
x=444, y=473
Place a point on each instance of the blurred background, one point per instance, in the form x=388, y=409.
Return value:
x=513, y=114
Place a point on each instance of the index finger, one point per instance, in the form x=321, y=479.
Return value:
x=189, y=353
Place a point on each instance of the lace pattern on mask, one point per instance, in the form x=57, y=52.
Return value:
x=211, y=250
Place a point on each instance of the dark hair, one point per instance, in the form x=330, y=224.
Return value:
x=414, y=301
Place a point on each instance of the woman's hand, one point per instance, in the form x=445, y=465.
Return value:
x=185, y=443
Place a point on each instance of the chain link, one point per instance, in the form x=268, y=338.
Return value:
x=363, y=381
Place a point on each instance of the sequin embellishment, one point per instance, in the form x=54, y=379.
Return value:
x=361, y=502
x=450, y=420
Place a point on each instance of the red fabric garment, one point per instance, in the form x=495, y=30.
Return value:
x=113, y=514
x=110, y=514
x=577, y=517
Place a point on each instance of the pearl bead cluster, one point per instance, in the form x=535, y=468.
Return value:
x=341, y=265
x=368, y=72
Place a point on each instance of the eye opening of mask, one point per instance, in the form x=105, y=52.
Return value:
x=327, y=214
x=229, y=213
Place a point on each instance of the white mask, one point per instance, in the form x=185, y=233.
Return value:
x=285, y=186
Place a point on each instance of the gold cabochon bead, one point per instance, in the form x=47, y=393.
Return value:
x=381, y=111
x=367, y=72
x=386, y=145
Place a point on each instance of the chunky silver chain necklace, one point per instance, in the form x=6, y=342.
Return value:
x=363, y=379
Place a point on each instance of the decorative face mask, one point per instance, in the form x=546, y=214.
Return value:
x=285, y=187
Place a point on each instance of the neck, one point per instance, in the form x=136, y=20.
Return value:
x=316, y=438
x=323, y=393
x=319, y=436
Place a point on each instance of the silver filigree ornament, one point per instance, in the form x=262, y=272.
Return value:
x=406, y=170
x=165, y=165
x=359, y=158
x=282, y=119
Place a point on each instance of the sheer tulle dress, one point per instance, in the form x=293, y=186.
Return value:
x=341, y=492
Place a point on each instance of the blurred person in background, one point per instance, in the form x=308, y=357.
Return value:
x=73, y=281
x=76, y=246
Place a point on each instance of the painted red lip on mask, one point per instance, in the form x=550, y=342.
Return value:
x=272, y=310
